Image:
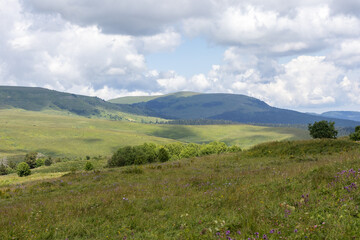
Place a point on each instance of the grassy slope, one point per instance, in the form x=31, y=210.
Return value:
x=295, y=194
x=138, y=99
x=23, y=131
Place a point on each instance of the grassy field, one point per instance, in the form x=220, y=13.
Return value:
x=273, y=191
x=59, y=135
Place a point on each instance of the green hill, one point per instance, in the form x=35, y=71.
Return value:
x=74, y=136
x=232, y=107
x=349, y=115
x=139, y=99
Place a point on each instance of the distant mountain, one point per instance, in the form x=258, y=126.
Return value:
x=231, y=107
x=37, y=99
x=349, y=115
x=178, y=106
x=139, y=99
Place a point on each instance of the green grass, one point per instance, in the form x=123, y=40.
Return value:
x=199, y=198
x=59, y=135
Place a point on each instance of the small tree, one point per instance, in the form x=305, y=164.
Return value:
x=48, y=161
x=40, y=162
x=30, y=159
x=23, y=169
x=89, y=166
x=322, y=129
x=356, y=135
x=3, y=169
x=163, y=155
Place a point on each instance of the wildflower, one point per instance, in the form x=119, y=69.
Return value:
x=295, y=231
x=264, y=236
x=218, y=233
x=272, y=231
x=238, y=232
x=227, y=232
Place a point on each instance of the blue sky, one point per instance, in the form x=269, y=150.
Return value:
x=301, y=55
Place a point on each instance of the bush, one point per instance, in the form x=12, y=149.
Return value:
x=12, y=164
x=48, y=161
x=356, y=135
x=163, y=155
x=322, y=129
x=89, y=166
x=40, y=162
x=23, y=169
x=30, y=159
x=3, y=169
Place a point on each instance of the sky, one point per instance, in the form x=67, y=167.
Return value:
x=300, y=55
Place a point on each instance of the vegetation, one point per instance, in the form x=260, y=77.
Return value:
x=89, y=166
x=323, y=129
x=3, y=169
x=48, y=161
x=356, y=135
x=149, y=153
x=280, y=195
x=71, y=136
x=30, y=159
x=23, y=169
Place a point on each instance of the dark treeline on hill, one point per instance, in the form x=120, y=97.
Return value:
x=149, y=152
x=199, y=122
x=37, y=99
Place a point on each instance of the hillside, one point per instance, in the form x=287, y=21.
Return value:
x=349, y=115
x=73, y=136
x=286, y=190
x=139, y=99
x=232, y=107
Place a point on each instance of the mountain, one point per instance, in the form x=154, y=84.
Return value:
x=231, y=107
x=349, y=115
x=38, y=99
x=139, y=99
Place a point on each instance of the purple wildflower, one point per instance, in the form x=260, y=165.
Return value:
x=295, y=231
x=227, y=232
x=272, y=231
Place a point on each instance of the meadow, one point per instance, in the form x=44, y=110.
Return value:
x=282, y=190
x=58, y=134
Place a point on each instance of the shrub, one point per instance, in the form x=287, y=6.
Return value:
x=322, y=129
x=163, y=155
x=190, y=150
x=12, y=164
x=40, y=162
x=355, y=136
x=30, y=159
x=87, y=157
x=89, y=166
x=3, y=169
x=48, y=161
x=234, y=148
x=23, y=169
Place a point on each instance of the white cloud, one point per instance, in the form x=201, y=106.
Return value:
x=100, y=48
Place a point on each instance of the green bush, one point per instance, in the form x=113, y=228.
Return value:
x=163, y=155
x=48, y=161
x=89, y=166
x=355, y=136
x=23, y=169
x=190, y=150
x=322, y=129
x=40, y=162
x=30, y=159
x=3, y=169
x=12, y=164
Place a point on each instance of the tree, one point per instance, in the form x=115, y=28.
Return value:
x=30, y=159
x=322, y=129
x=163, y=155
x=89, y=166
x=356, y=135
x=3, y=170
x=23, y=169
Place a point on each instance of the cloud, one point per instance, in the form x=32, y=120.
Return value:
x=141, y=17
x=293, y=54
